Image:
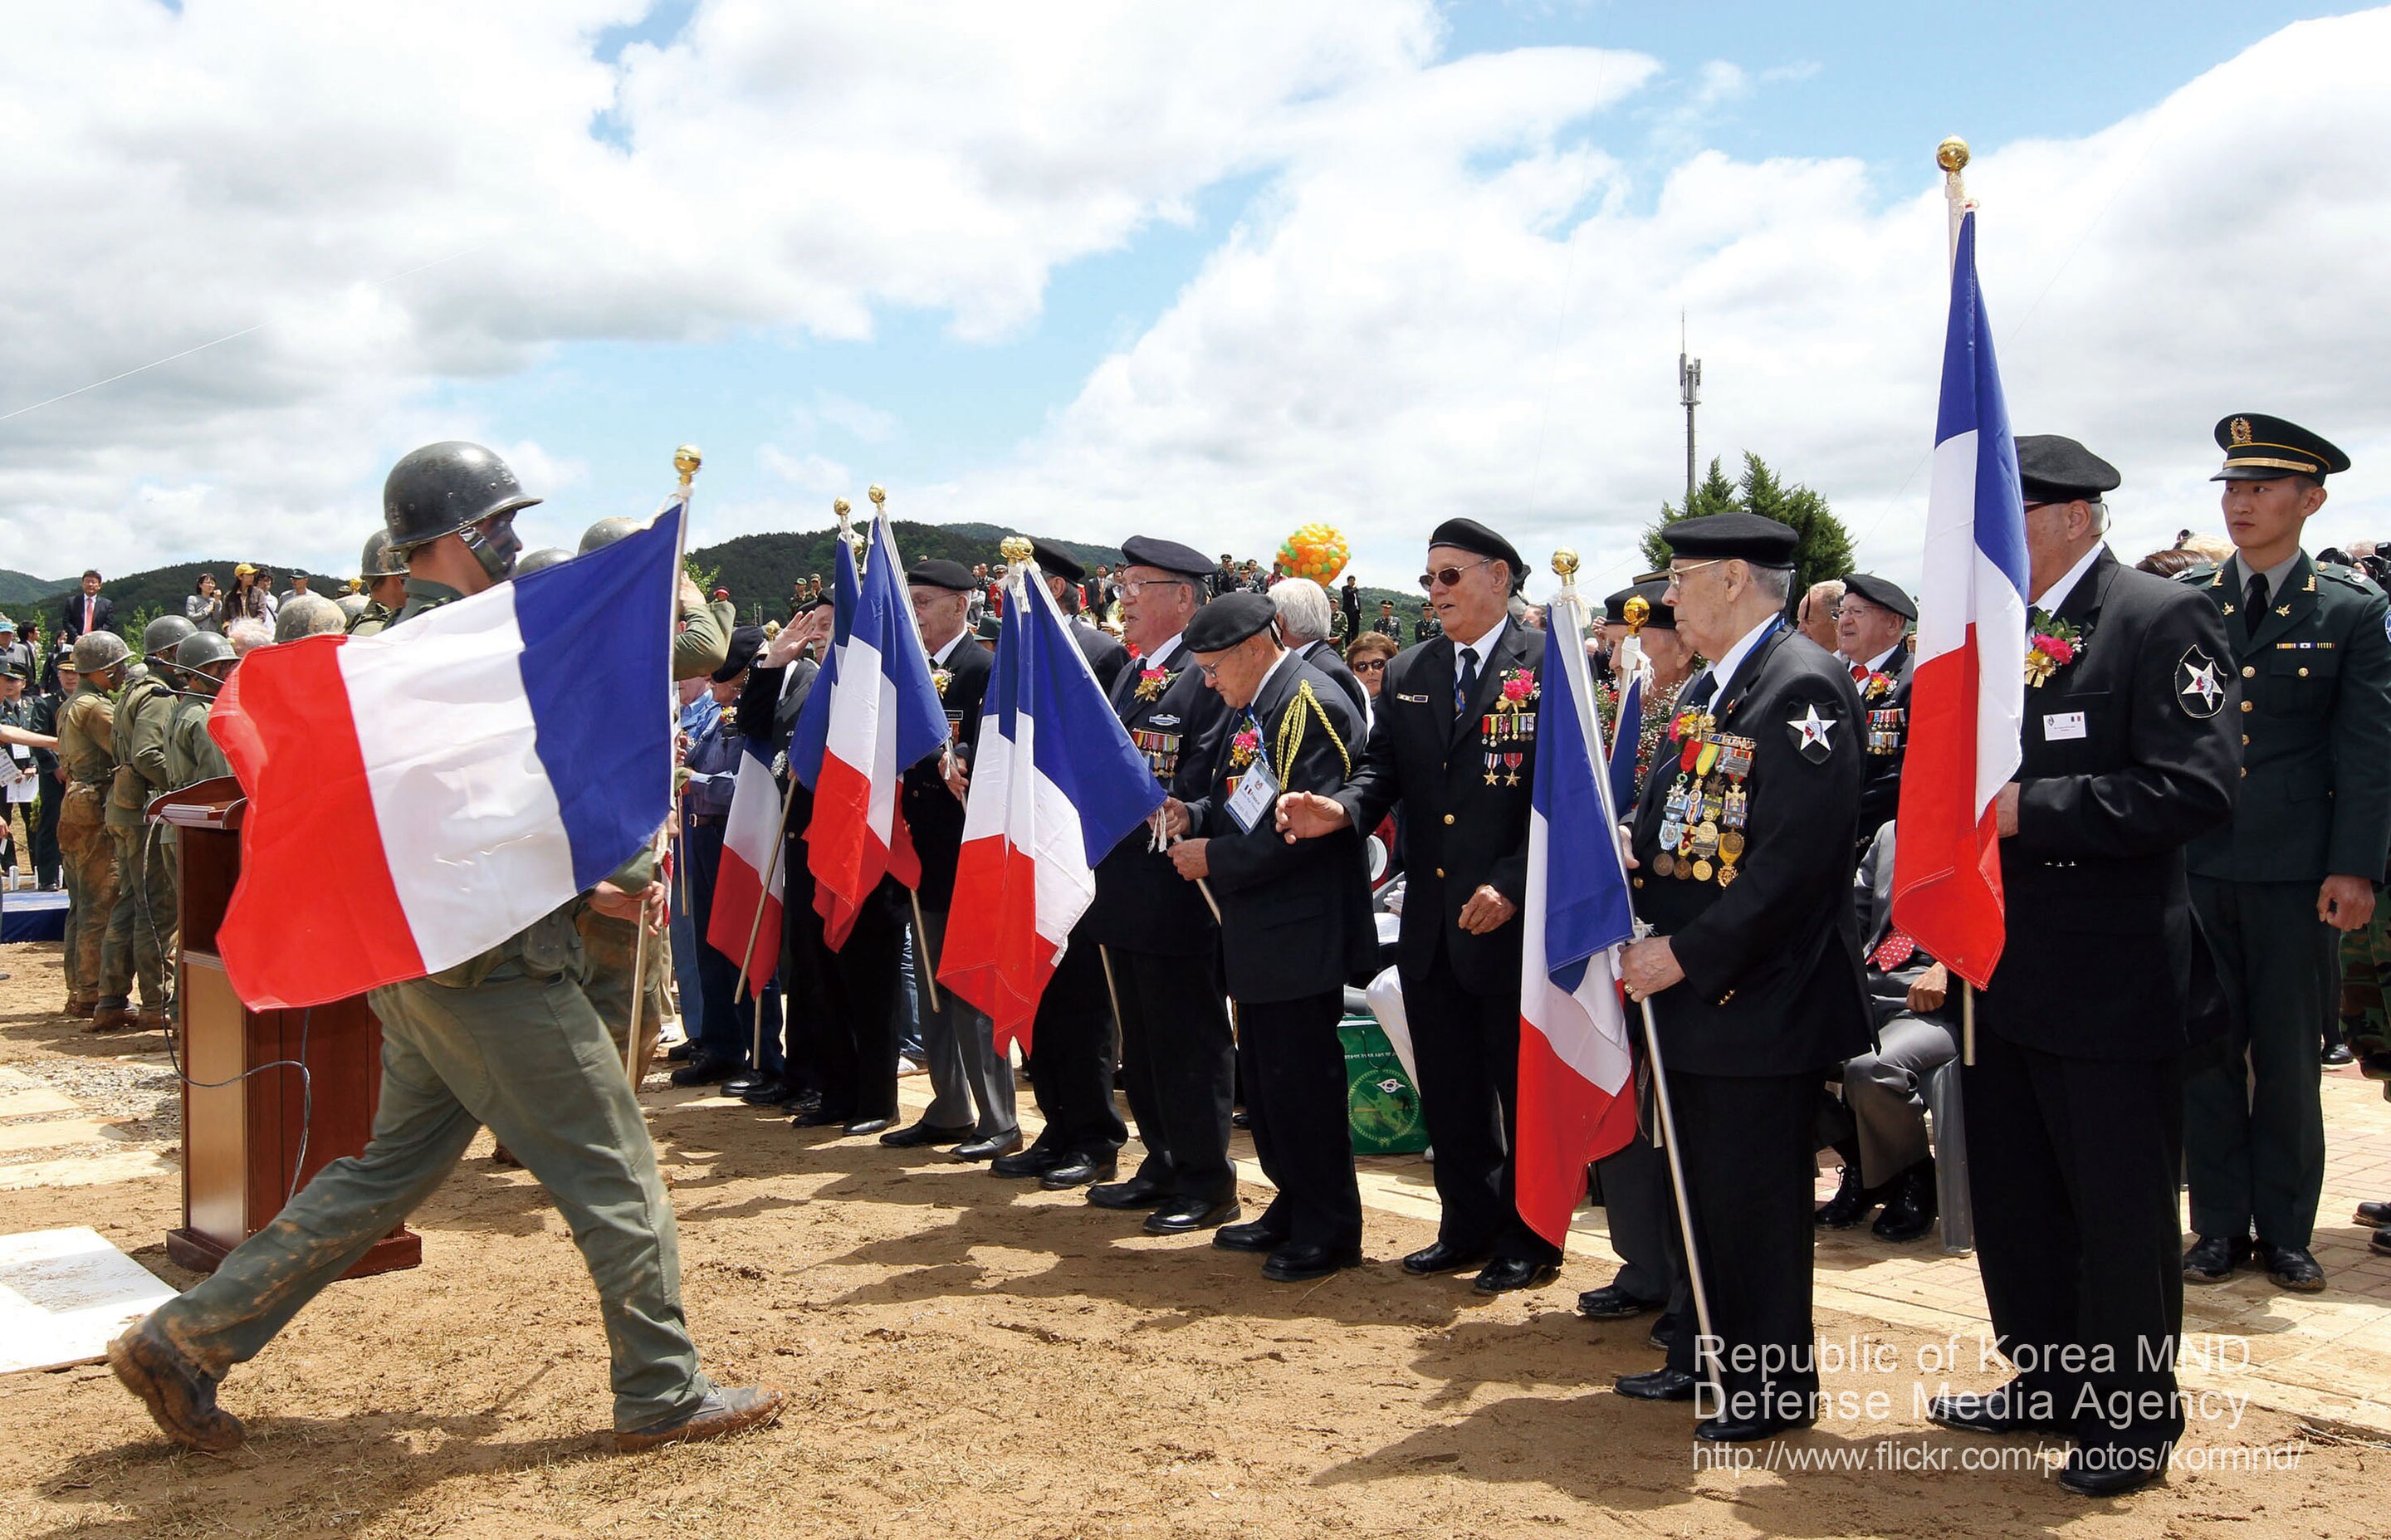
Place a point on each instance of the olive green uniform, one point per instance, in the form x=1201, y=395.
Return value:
x=2315, y=800
x=141, y=925
x=191, y=755
x=508, y=1040
x=371, y=620
x=86, y=752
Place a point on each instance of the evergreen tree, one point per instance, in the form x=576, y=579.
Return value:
x=1826, y=548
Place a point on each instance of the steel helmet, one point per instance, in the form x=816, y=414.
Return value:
x=605, y=532
x=546, y=556
x=381, y=559
x=444, y=489
x=162, y=635
x=200, y=649
x=97, y=651
x=308, y=614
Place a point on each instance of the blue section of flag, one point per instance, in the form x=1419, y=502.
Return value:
x=811, y=736
x=884, y=615
x=597, y=634
x=1079, y=744
x=1587, y=905
x=1624, y=742
x=1972, y=402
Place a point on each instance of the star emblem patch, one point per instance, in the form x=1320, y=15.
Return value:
x=1811, y=734
x=2199, y=690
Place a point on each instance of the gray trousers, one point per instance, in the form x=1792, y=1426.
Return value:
x=1642, y=1216
x=970, y=1081
x=527, y=1055
x=1885, y=1093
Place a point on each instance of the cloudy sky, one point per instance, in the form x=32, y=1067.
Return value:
x=1208, y=271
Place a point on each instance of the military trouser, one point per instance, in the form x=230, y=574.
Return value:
x=525, y=1054
x=610, y=944
x=89, y=858
x=141, y=922
x=2253, y=1117
x=2365, y=971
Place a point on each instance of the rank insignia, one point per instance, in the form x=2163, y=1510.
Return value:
x=2197, y=689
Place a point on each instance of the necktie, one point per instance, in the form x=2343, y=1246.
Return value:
x=1466, y=683
x=1698, y=695
x=1859, y=673
x=1893, y=952
x=2254, y=603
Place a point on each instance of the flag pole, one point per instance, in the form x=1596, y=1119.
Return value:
x=686, y=460
x=1565, y=562
x=1952, y=156
x=924, y=967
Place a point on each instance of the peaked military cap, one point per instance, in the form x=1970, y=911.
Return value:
x=1229, y=620
x=2056, y=469
x=1751, y=537
x=1144, y=550
x=940, y=572
x=1881, y=593
x=2258, y=447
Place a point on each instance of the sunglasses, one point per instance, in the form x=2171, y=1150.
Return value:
x=1449, y=576
x=1370, y=666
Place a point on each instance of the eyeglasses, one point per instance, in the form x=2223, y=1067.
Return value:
x=1139, y=586
x=1209, y=670
x=1677, y=575
x=1449, y=576
x=1369, y=666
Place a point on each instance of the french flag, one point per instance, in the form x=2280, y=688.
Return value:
x=1056, y=784
x=465, y=773
x=879, y=717
x=748, y=887
x=1967, y=691
x=1577, y=1101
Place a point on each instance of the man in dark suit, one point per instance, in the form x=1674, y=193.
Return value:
x=1461, y=770
x=87, y=608
x=2296, y=868
x=1349, y=600
x=1304, y=622
x=1741, y=853
x=2075, y=1103
x=1295, y=926
x=971, y=1084
x=1871, y=631
x=1104, y=653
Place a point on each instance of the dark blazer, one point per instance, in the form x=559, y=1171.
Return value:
x=1888, y=989
x=1143, y=904
x=762, y=703
x=2317, y=685
x=1461, y=829
x=1772, y=963
x=1880, y=792
x=933, y=814
x=71, y=624
x=1322, y=656
x=1295, y=917
x=1104, y=652
x=2101, y=944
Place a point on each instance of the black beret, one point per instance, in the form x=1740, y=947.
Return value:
x=940, y=572
x=1475, y=538
x=1144, y=550
x=2258, y=447
x=2051, y=468
x=1733, y=537
x=1055, y=562
x=745, y=642
x=1229, y=620
x=1883, y=595
x=1658, y=616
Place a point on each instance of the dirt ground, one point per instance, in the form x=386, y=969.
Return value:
x=966, y=1355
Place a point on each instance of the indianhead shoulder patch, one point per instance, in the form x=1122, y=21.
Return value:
x=2199, y=684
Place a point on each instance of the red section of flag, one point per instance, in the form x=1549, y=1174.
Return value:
x=1947, y=865
x=1579, y=1121
x=1000, y=962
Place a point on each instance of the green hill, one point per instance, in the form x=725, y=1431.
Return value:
x=142, y=596
x=20, y=590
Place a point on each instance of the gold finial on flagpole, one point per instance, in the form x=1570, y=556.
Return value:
x=1638, y=610
x=686, y=460
x=879, y=496
x=1951, y=155
x=1014, y=549
x=839, y=506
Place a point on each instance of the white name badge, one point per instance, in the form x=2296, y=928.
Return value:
x=2061, y=725
x=1257, y=794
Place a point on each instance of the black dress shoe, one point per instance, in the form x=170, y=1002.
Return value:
x=2380, y=1242
x=1660, y=1384
x=704, y=1072
x=1747, y=1430
x=990, y=1148
x=2291, y=1267
x=796, y=1098
x=1138, y=1192
x=2372, y=1215
x=2212, y=1259
x=747, y=1081
x=772, y=1092
x=1851, y=1203
x=1611, y=1303
x=1441, y=1257
x=1078, y=1171
x=681, y=1051
x=861, y=1126
x=1255, y=1235
x=2338, y=1057
x=2006, y=1410
x=1037, y=1160
x=2107, y=1471
x=1506, y=1273
x=1303, y=1264
x=819, y=1116
x=1184, y=1216
x=1911, y=1210
x=1240, y=1119
x=916, y=1135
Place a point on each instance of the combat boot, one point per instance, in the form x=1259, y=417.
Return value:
x=112, y=1015
x=180, y=1395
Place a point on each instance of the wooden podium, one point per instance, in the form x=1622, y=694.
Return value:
x=242, y=1139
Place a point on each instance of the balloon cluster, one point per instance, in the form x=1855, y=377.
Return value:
x=1317, y=551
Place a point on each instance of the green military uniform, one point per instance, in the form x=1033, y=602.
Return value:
x=2365, y=974
x=371, y=620
x=2315, y=801
x=191, y=755
x=508, y=1040
x=141, y=924
x=86, y=751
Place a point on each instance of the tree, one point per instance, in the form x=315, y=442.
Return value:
x=1826, y=548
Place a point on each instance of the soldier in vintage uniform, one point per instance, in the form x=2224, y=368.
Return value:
x=2296, y=868
x=2075, y=1103
x=1740, y=851
x=971, y=1084
x=1295, y=927
x=1453, y=742
x=385, y=577
x=205, y=661
x=141, y=925
x=87, y=754
x=1872, y=625
x=508, y=1039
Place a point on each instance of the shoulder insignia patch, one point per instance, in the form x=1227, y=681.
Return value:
x=1811, y=734
x=2198, y=688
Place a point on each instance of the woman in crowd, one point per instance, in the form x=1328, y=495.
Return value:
x=204, y=608
x=252, y=595
x=1367, y=657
